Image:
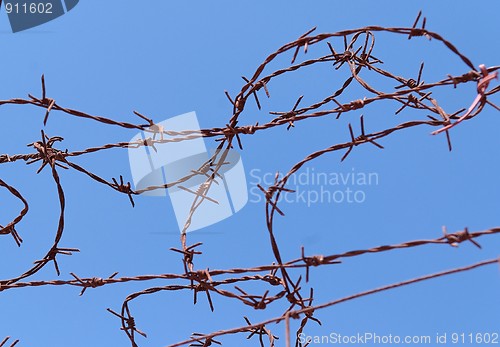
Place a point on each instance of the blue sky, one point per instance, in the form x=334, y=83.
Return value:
x=168, y=58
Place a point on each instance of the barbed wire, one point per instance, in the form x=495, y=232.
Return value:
x=283, y=286
x=3, y=343
x=308, y=311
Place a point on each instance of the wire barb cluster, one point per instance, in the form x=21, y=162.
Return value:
x=357, y=56
x=4, y=342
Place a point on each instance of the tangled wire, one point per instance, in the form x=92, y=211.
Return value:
x=282, y=286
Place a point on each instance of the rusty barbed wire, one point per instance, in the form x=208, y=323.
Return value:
x=3, y=343
x=306, y=262
x=356, y=58
x=310, y=310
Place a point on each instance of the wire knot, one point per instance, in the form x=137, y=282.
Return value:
x=46, y=153
x=125, y=188
x=456, y=238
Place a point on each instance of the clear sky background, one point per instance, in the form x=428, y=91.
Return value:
x=167, y=58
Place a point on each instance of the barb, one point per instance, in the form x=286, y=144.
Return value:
x=10, y=228
x=3, y=343
x=480, y=99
